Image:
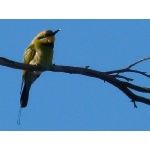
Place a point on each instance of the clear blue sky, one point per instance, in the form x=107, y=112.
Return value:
x=60, y=101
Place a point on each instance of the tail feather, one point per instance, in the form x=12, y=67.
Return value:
x=24, y=96
x=25, y=87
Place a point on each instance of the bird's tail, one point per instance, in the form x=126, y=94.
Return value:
x=24, y=95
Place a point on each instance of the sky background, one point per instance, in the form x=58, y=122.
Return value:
x=68, y=102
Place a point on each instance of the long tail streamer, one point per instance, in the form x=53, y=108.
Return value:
x=19, y=116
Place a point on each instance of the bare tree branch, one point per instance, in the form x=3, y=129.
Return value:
x=109, y=76
x=135, y=63
x=122, y=77
x=127, y=69
x=139, y=72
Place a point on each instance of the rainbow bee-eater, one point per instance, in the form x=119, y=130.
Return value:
x=39, y=52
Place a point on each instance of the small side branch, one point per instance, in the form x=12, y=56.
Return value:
x=122, y=77
x=137, y=62
x=128, y=69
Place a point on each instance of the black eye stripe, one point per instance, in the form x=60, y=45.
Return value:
x=46, y=35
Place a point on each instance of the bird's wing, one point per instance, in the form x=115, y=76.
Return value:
x=29, y=54
x=28, y=57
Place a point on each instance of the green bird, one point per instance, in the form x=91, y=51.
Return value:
x=39, y=52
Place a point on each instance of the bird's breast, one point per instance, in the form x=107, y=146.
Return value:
x=44, y=57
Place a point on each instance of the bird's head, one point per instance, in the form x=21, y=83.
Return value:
x=46, y=37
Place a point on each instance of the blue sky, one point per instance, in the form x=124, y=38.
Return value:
x=60, y=101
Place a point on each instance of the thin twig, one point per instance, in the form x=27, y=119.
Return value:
x=122, y=77
x=128, y=67
x=139, y=72
x=139, y=61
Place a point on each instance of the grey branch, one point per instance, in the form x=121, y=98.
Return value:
x=126, y=87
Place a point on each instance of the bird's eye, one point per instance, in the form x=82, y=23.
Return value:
x=44, y=36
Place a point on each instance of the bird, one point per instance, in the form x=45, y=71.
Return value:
x=40, y=53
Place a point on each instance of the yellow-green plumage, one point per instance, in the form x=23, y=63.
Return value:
x=39, y=52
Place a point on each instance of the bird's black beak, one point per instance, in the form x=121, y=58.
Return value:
x=56, y=31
